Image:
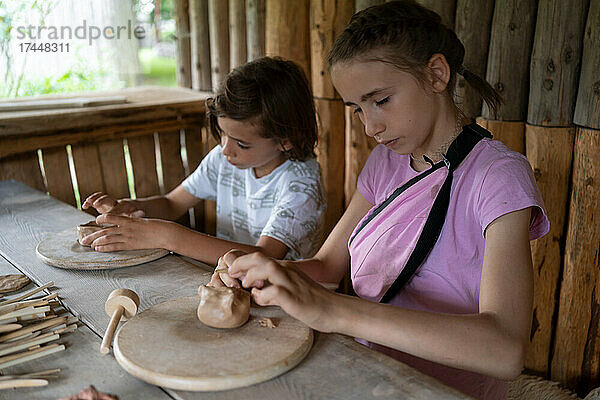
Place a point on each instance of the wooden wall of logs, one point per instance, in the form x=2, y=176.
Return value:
x=544, y=59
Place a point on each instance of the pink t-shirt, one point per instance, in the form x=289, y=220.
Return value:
x=491, y=182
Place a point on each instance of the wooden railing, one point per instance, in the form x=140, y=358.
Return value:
x=156, y=137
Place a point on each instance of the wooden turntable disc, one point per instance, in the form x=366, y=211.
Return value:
x=167, y=345
x=64, y=251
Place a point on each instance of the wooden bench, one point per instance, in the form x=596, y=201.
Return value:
x=71, y=153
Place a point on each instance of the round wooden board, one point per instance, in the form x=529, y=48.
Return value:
x=64, y=251
x=167, y=345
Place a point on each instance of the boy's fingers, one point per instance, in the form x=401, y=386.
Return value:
x=138, y=214
x=111, y=219
x=91, y=199
x=105, y=198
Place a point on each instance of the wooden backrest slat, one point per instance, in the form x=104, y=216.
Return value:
x=88, y=171
x=58, y=174
x=170, y=158
x=210, y=207
x=114, y=172
x=195, y=148
x=173, y=170
x=143, y=160
x=23, y=167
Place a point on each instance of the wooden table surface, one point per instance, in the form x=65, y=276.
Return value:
x=337, y=367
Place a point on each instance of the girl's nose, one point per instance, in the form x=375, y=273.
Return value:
x=373, y=126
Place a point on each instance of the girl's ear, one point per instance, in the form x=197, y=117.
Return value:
x=439, y=72
x=285, y=145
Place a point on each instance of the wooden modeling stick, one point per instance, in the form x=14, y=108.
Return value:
x=121, y=304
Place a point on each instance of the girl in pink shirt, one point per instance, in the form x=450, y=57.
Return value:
x=437, y=234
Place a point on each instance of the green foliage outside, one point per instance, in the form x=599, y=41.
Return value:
x=157, y=70
x=83, y=75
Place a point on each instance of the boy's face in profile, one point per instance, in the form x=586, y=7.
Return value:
x=244, y=147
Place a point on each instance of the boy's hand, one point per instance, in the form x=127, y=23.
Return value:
x=130, y=233
x=105, y=204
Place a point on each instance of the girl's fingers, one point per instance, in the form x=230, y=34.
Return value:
x=269, y=271
x=229, y=281
x=215, y=281
x=272, y=296
x=228, y=258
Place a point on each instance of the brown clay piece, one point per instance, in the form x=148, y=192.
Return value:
x=10, y=283
x=87, y=229
x=91, y=393
x=267, y=322
x=223, y=307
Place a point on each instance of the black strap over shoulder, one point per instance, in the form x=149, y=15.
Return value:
x=459, y=149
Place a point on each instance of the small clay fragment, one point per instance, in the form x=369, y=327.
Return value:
x=223, y=307
x=267, y=322
x=87, y=229
x=10, y=283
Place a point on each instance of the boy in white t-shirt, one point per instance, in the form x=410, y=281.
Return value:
x=263, y=176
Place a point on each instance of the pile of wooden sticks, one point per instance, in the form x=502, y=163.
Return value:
x=28, y=325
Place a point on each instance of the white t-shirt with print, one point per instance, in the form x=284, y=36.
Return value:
x=288, y=204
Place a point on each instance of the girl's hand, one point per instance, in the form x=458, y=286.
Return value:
x=220, y=277
x=105, y=204
x=287, y=287
x=129, y=233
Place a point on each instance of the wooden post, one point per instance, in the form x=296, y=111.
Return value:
x=237, y=33
x=182, y=23
x=255, y=28
x=511, y=39
x=554, y=64
x=200, y=43
x=555, y=61
x=358, y=144
x=512, y=134
x=219, y=40
x=358, y=148
x=446, y=9
x=508, y=59
x=576, y=360
x=587, y=108
x=286, y=32
x=548, y=151
x=473, y=22
x=327, y=20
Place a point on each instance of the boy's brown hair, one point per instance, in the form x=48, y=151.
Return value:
x=272, y=93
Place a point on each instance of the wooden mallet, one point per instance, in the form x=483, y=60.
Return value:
x=122, y=304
